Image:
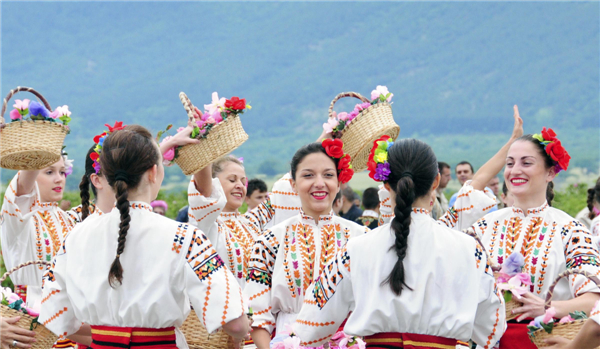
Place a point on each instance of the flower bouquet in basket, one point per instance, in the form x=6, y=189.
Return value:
x=34, y=137
x=13, y=301
x=513, y=282
x=287, y=339
x=369, y=120
x=218, y=128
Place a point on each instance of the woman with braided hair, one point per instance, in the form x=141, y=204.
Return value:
x=132, y=274
x=593, y=204
x=411, y=282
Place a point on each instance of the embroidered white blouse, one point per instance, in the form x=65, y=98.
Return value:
x=166, y=266
x=284, y=200
x=439, y=263
x=286, y=259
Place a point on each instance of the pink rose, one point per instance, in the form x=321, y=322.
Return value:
x=55, y=114
x=200, y=123
x=353, y=115
x=21, y=104
x=169, y=155
x=566, y=319
x=15, y=115
x=549, y=315
x=210, y=120
x=32, y=312
x=524, y=278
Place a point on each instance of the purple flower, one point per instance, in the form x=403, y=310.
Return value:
x=513, y=264
x=382, y=172
x=36, y=109
x=353, y=114
x=96, y=167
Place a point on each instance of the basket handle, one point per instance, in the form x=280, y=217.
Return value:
x=20, y=89
x=474, y=235
x=566, y=273
x=346, y=94
x=189, y=108
x=21, y=266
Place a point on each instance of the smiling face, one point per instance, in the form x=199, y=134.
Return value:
x=316, y=183
x=526, y=174
x=51, y=182
x=233, y=180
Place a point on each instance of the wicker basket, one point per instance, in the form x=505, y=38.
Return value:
x=44, y=338
x=224, y=138
x=197, y=337
x=30, y=145
x=358, y=136
x=567, y=330
x=513, y=304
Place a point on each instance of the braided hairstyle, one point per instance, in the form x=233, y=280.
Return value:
x=126, y=155
x=593, y=196
x=413, y=167
x=86, y=183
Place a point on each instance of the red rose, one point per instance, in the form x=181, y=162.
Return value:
x=97, y=138
x=333, y=147
x=549, y=134
x=235, y=103
x=371, y=166
x=118, y=126
x=344, y=162
x=345, y=175
x=558, y=154
x=94, y=156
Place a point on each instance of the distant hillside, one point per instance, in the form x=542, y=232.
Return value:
x=455, y=69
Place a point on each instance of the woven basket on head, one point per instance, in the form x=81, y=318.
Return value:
x=513, y=304
x=224, y=138
x=372, y=123
x=197, y=337
x=44, y=338
x=29, y=145
x=567, y=330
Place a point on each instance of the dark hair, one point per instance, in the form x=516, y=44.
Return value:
x=306, y=150
x=126, y=155
x=256, y=184
x=548, y=163
x=442, y=165
x=348, y=193
x=86, y=183
x=593, y=196
x=338, y=196
x=463, y=163
x=370, y=198
x=413, y=167
x=504, y=188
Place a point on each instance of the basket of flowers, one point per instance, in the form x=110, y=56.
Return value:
x=369, y=120
x=287, y=339
x=544, y=326
x=197, y=337
x=513, y=282
x=34, y=136
x=219, y=130
x=12, y=305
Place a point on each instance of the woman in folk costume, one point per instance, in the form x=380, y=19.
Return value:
x=287, y=258
x=587, y=338
x=413, y=283
x=550, y=240
x=594, y=208
x=128, y=298
x=215, y=194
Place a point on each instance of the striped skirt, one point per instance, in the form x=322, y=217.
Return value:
x=108, y=337
x=408, y=341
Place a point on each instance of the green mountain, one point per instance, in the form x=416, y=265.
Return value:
x=455, y=69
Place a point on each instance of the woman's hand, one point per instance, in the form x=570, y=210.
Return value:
x=10, y=333
x=518, y=126
x=532, y=307
x=557, y=343
x=180, y=139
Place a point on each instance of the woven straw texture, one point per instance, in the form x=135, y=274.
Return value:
x=510, y=305
x=198, y=338
x=29, y=145
x=43, y=336
x=567, y=330
x=370, y=124
x=224, y=138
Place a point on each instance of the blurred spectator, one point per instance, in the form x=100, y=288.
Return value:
x=506, y=197
x=159, y=206
x=338, y=201
x=182, y=215
x=445, y=177
x=464, y=172
x=370, y=216
x=257, y=193
x=65, y=205
x=356, y=200
x=349, y=210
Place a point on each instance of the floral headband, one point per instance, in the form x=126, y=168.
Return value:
x=554, y=149
x=378, y=165
x=68, y=163
x=334, y=148
x=99, y=140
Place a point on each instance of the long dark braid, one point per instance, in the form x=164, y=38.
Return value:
x=126, y=155
x=84, y=185
x=413, y=168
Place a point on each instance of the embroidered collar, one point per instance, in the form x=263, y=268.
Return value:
x=536, y=211
x=322, y=219
x=419, y=210
x=48, y=204
x=139, y=205
x=228, y=215
x=370, y=213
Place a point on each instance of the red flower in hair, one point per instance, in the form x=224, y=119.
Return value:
x=333, y=147
x=235, y=103
x=549, y=134
x=371, y=164
x=558, y=153
x=345, y=175
x=97, y=138
x=344, y=162
x=94, y=156
x=118, y=126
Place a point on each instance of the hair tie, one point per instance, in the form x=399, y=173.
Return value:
x=118, y=256
x=121, y=175
x=406, y=174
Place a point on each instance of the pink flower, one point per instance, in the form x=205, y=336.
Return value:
x=338, y=335
x=217, y=117
x=200, y=123
x=64, y=110
x=525, y=279
x=362, y=106
x=169, y=155
x=343, y=116
x=22, y=105
x=353, y=115
x=379, y=91
x=180, y=129
x=55, y=114
x=15, y=115
x=330, y=125
x=514, y=286
x=210, y=120
x=32, y=312
x=502, y=278
x=360, y=344
x=343, y=343
x=217, y=103
x=12, y=298
x=566, y=319
x=292, y=342
x=549, y=315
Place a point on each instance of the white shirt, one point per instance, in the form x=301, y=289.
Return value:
x=284, y=200
x=453, y=295
x=166, y=265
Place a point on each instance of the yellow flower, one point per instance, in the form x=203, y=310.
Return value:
x=248, y=106
x=381, y=157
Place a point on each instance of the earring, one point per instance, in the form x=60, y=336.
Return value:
x=431, y=203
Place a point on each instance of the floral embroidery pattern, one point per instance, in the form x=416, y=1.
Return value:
x=544, y=264
x=512, y=234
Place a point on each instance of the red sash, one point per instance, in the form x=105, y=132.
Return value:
x=408, y=341
x=108, y=337
x=516, y=336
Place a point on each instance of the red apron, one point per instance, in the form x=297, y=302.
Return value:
x=408, y=341
x=108, y=337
